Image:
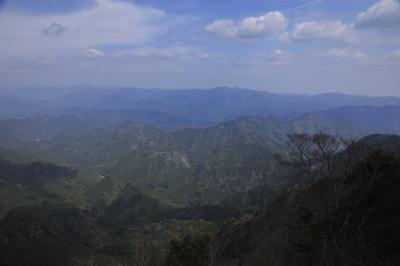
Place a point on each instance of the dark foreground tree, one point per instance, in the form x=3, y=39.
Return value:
x=352, y=218
x=315, y=155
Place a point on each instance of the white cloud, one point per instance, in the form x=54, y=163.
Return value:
x=359, y=57
x=392, y=56
x=266, y=25
x=347, y=54
x=166, y=53
x=328, y=30
x=385, y=14
x=279, y=55
x=275, y=58
x=92, y=53
x=284, y=37
x=263, y=26
x=108, y=22
x=222, y=27
x=156, y=53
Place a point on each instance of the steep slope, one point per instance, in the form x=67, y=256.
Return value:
x=36, y=183
x=197, y=164
x=351, y=219
x=15, y=196
x=35, y=174
x=226, y=157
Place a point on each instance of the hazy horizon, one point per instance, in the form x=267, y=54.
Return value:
x=298, y=47
x=47, y=90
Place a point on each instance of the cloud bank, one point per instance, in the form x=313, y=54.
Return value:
x=104, y=24
x=383, y=15
x=263, y=26
x=308, y=46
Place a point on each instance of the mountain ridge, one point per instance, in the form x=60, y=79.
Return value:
x=197, y=107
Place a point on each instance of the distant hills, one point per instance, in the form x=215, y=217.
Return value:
x=14, y=107
x=352, y=121
x=116, y=176
x=209, y=164
x=183, y=108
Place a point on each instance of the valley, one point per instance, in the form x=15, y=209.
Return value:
x=113, y=187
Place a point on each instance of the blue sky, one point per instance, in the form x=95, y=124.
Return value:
x=284, y=46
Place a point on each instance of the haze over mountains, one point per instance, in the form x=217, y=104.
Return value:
x=195, y=108
x=182, y=142
x=189, y=145
x=108, y=176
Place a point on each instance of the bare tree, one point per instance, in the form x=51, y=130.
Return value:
x=301, y=152
x=316, y=155
x=326, y=147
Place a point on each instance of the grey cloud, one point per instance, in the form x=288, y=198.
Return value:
x=92, y=53
x=54, y=29
x=385, y=14
x=393, y=56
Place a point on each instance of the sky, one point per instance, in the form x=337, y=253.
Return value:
x=282, y=46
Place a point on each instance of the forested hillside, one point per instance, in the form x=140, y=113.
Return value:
x=117, y=186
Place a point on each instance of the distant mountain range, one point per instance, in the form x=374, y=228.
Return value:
x=352, y=121
x=187, y=145
x=94, y=175
x=184, y=108
x=207, y=163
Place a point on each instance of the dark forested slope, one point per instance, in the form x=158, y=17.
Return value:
x=350, y=218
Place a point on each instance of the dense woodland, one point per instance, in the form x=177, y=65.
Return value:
x=99, y=187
